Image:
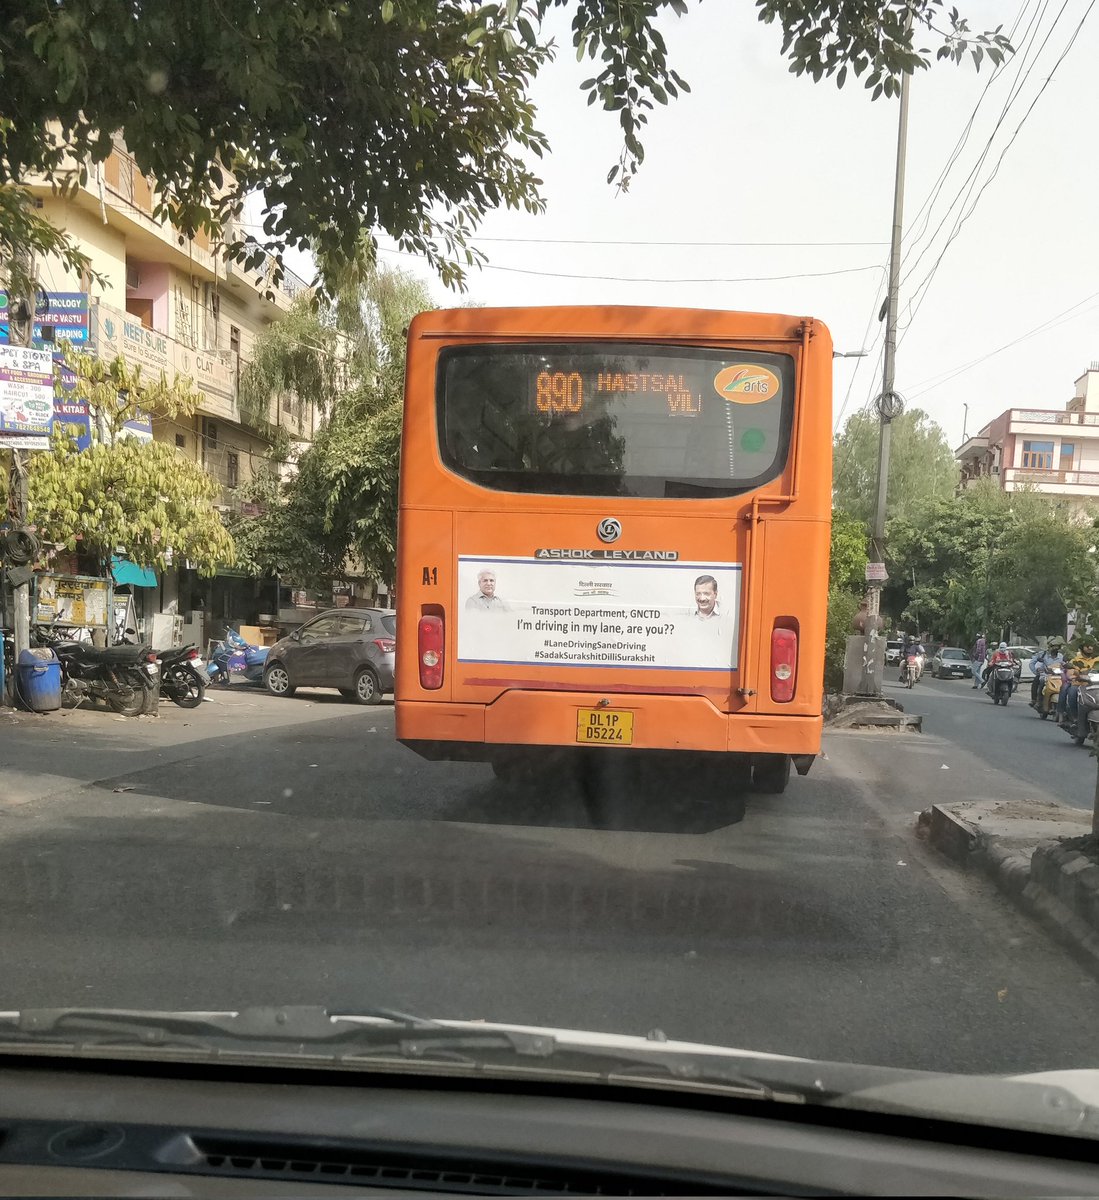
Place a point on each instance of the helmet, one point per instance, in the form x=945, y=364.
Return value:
x=1003, y=645
x=1056, y=641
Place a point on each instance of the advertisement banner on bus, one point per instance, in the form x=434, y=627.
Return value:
x=540, y=612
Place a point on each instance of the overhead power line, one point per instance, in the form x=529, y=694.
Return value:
x=657, y=278
x=936, y=188
x=920, y=292
x=962, y=197
x=1068, y=314
x=645, y=242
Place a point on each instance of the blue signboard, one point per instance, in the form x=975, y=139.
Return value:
x=65, y=312
x=71, y=414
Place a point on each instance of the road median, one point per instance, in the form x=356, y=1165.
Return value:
x=1039, y=853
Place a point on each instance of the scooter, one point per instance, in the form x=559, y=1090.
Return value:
x=1000, y=682
x=1048, y=693
x=1087, y=700
x=234, y=656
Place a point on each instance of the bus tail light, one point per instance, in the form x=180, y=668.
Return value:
x=431, y=643
x=784, y=663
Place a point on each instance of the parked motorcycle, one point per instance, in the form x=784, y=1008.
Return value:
x=182, y=677
x=1049, y=693
x=1000, y=682
x=235, y=657
x=1087, y=700
x=124, y=677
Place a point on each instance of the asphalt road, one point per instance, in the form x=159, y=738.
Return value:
x=1012, y=738
x=262, y=851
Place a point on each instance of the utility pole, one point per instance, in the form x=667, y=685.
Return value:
x=20, y=331
x=889, y=403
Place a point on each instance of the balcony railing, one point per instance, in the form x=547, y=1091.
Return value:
x=1048, y=416
x=1041, y=478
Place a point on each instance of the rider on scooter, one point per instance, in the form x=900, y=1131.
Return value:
x=1000, y=655
x=1042, y=663
x=1085, y=661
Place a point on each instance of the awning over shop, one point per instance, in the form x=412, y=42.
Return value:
x=125, y=571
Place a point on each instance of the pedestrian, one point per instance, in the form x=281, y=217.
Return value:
x=977, y=659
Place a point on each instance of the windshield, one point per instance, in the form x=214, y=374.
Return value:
x=614, y=419
x=471, y=476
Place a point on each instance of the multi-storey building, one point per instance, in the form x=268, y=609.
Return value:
x=1050, y=450
x=174, y=304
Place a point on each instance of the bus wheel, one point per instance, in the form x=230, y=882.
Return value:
x=771, y=773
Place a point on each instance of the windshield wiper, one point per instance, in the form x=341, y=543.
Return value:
x=312, y=1035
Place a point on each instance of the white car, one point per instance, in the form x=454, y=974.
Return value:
x=1024, y=654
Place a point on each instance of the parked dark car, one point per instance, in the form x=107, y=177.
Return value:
x=346, y=648
x=951, y=662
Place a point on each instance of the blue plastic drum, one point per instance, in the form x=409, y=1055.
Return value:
x=39, y=676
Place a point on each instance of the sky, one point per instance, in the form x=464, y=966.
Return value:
x=755, y=160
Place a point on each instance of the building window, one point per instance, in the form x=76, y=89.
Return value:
x=232, y=470
x=181, y=441
x=211, y=435
x=234, y=339
x=1038, y=456
x=1068, y=456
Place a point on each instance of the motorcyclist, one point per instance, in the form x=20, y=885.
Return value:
x=1081, y=664
x=1041, y=665
x=911, y=646
x=1000, y=655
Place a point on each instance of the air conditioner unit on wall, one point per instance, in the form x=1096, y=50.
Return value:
x=133, y=276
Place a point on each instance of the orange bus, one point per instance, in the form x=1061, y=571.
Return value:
x=614, y=534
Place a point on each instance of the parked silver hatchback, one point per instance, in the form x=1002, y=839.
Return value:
x=346, y=648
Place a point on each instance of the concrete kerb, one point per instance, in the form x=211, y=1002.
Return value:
x=869, y=712
x=1036, y=853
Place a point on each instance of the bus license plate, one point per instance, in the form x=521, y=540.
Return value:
x=614, y=728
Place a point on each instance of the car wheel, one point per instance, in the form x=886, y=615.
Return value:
x=276, y=679
x=367, y=688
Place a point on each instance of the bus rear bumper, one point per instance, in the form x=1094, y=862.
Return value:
x=444, y=731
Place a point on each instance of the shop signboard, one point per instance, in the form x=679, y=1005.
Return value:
x=26, y=390
x=80, y=601
x=66, y=313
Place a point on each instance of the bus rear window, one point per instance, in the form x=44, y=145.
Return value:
x=615, y=418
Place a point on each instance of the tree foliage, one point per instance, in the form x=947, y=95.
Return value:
x=123, y=492
x=847, y=560
x=408, y=116
x=921, y=465
x=846, y=583
x=339, y=506
x=992, y=560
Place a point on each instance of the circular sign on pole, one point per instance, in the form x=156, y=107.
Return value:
x=890, y=405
